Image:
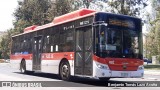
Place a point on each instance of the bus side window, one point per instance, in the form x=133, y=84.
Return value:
x=70, y=40
x=21, y=44
x=53, y=43
x=54, y=39
x=48, y=43
x=13, y=46
x=45, y=44
x=62, y=41
x=30, y=45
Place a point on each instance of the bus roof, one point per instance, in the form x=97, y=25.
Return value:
x=67, y=18
x=72, y=15
x=60, y=20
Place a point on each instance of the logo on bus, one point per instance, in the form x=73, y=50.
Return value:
x=111, y=62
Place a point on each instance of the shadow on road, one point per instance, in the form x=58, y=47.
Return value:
x=75, y=81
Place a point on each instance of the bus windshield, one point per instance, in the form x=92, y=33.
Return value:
x=118, y=43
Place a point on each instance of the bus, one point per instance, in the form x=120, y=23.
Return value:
x=83, y=43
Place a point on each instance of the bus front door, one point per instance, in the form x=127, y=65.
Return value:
x=83, y=51
x=37, y=49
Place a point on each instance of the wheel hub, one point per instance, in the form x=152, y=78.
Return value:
x=65, y=71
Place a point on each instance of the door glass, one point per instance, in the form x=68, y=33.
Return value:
x=87, y=59
x=79, y=57
x=83, y=60
x=87, y=39
x=79, y=40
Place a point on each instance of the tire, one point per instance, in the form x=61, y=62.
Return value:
x=23, y=66
x=104, y=79
x=64, y=71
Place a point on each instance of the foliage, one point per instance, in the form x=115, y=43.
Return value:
x=152, y=44
x=152, y=67
x=98, y=5
x=32, y=11
x=127, y=7
x=6, y=44
x=77, y=4
x=58, y=7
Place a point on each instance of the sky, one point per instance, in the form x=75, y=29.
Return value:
x=7, y=7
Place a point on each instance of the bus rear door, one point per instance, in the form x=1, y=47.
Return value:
x=37, y=50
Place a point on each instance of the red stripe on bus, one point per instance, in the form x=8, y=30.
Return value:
x=20, y=56
x=120, y=64
x=58, y=56
x=45, y=56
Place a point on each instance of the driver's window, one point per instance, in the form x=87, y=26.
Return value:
x=102, y=38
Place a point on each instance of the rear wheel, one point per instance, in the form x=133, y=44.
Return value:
x=65, y=71
x=23, y=66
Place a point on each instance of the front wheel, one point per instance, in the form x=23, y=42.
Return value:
x=65, y=71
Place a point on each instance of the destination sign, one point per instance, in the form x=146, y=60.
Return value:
x=122, y=23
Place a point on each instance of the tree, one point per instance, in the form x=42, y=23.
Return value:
x=90, y=4
x=127, y=7
x=81, y=4
x=6, y=44
x=153, y=40
x=30, y=12
x=59, y=7
x=33, y=11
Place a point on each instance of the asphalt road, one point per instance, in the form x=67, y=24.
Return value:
x=9, y=74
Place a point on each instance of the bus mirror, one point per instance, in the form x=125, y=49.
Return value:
x=105, y=24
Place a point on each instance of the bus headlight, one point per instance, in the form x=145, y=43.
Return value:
x=141, y=67
x=102, y=66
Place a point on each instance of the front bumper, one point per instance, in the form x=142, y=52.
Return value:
x=99, y=72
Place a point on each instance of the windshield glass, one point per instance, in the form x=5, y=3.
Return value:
x=117, y=43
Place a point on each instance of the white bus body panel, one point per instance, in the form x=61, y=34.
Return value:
x=98, y=72
x=47, y=66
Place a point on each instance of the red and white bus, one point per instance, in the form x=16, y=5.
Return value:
x=82, y=43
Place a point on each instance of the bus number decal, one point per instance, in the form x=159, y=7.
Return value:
x=47, y=56
x=84, y=22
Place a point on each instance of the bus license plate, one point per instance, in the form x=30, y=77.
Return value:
x=124, y=74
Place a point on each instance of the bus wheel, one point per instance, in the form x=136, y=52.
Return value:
x=65, y=71
x=23, y=66
x=104, y=79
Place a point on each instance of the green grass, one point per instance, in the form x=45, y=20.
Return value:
x=152, y=67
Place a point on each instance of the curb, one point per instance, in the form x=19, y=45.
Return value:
x=152, y=72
